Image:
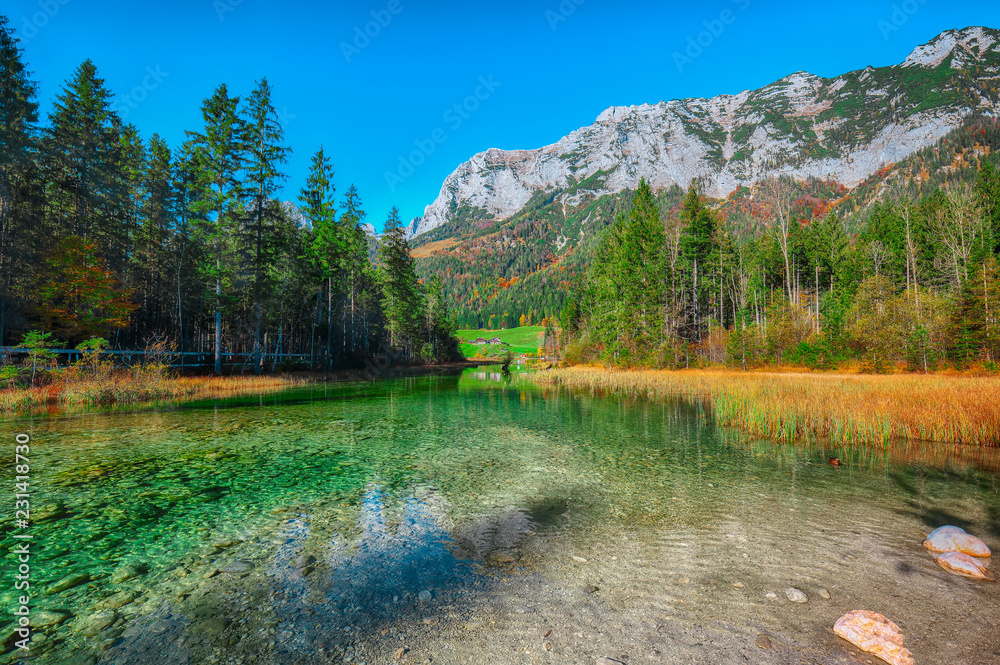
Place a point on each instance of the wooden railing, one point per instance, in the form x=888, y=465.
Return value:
x=178, y=359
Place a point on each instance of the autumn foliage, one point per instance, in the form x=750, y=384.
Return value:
x=80, y=296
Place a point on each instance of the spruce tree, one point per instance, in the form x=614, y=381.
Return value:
x=218, y=156
x=150, y=255
x=264, y=154
x=319, y=208
x=82, y=157
x=401, y=299
x=18, y=177
x=698, y=246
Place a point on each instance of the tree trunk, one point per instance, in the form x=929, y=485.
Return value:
x=218, y=324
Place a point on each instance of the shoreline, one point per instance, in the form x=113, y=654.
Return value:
x=121, y=390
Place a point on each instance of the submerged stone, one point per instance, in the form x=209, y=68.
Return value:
x=123, y=574
x=954, y=539
x=43, y=618
x=795, y=595
x=874, y=633
x=69, y=582
x=237, y=566
x=96, y=622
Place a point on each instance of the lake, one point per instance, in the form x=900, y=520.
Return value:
x=474, y=519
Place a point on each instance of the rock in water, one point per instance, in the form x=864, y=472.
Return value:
x=69, y=582
x=963, y=564
x=954, y=539
x=795, y=595
x=872, y=632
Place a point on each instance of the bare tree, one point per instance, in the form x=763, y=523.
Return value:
x=906, y=214
x=958, y=225
x=778, y=195
x=878, y=254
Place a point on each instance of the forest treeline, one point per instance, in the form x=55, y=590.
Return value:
x=918, y=285
x=106, y=234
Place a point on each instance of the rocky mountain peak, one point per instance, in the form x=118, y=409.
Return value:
x=801, y=125
x=968, y=44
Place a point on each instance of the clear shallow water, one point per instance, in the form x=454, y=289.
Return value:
x=330, y=509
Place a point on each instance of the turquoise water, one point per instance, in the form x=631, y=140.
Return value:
x=334, y=507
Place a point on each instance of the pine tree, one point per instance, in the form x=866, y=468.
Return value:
x=18, y=115
x=218, y=159
x=698, y=247
x=150, y=254
x=401, y=300
x=356, y=268
x=264, y=154
x=82, y=158
x=319, y=208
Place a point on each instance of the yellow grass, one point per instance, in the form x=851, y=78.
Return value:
x=424, y=251
x=125, y=388
x=844, y=408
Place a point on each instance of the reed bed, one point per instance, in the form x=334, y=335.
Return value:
x=863, y=409
x=128, y=388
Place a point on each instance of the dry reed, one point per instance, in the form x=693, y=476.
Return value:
x=868, y=409
x=128, y=388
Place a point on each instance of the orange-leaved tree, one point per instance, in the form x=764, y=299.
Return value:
x=80, y=297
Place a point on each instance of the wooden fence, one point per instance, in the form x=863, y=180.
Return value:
x=178, y=359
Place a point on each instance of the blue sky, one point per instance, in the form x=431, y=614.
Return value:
x=523, y=74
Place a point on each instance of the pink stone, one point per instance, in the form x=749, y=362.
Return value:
x=872, y=632
x=963, y=564
x=954, y=539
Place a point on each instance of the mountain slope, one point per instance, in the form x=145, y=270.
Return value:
x=843, y=129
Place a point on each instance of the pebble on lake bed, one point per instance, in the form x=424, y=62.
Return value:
x=872, y=632
x=963, y=564
x=954, y=539
x=795, y=595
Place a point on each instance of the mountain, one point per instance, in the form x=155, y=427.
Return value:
x=844, y=129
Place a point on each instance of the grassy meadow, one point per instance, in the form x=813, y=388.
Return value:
x=848, y=408
x=525, y=339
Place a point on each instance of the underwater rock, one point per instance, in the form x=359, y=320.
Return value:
x=872, y=632
x=43, y=618
x=953, y=539
x=503, y=557
x=69, y=582
x=124, y=573
x=963, y=564
x=795, y=595
x=96, y=622
x=237, y=566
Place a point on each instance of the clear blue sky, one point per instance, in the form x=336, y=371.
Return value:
x=551, y=66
